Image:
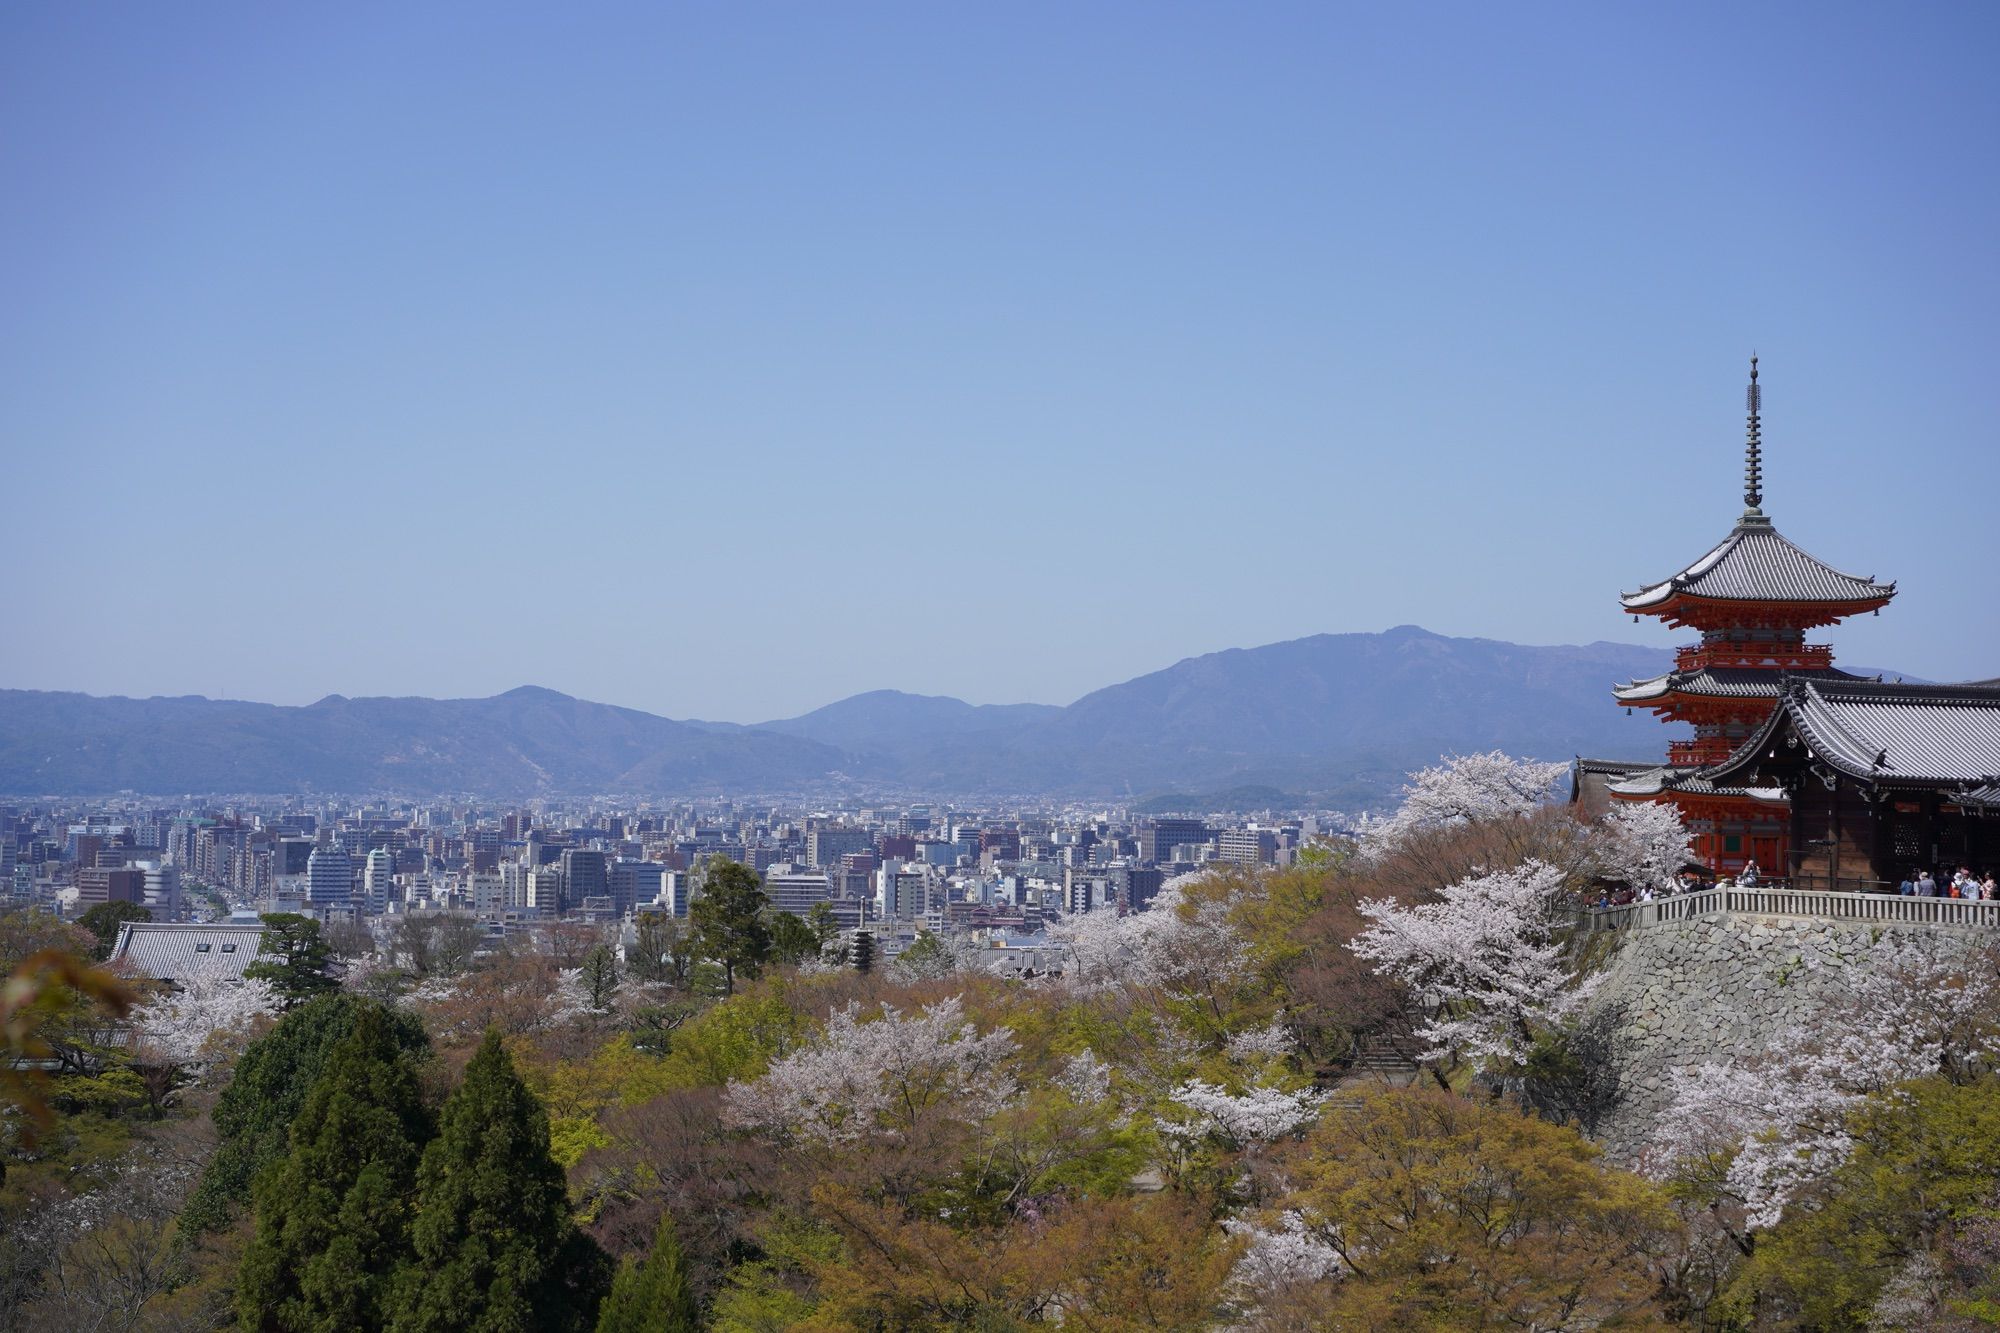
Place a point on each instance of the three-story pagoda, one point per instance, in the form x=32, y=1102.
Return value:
x=1753, y=598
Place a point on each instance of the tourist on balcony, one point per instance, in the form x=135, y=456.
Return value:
x=1908, y=888
x=1748, y=879
x=1926, y=886
x=1989, y=889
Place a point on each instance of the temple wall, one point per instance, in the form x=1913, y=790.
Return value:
x=1715, y=987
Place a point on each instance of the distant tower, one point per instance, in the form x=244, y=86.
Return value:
x=329, y=879
x=378, y=881
x=1753, y=597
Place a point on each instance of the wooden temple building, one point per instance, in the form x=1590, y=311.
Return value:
x=1829, y=780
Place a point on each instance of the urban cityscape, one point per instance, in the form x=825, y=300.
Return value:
x=988, y=881
x=1082, y=668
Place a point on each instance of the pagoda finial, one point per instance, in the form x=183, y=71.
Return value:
x=1753, y=450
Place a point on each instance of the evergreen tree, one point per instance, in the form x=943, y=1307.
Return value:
x=294, y=958
x=333, y=1214
x=728, y=920
x=104, y=920
x=600, y=976
x=792, y=940
x=254, y=1114
x=495, y=1248
x=652, y=1296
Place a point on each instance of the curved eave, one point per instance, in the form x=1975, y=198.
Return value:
x=1680, y=607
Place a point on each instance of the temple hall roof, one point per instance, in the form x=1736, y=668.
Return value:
x=1887, y=734
x=169, y=951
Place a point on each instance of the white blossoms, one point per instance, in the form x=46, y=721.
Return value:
x=877, y=1078
x=1484, y=960
x=1463, y=789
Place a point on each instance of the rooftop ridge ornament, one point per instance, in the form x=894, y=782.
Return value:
x=1753, y=449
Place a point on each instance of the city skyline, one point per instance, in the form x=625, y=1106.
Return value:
x=726, y=364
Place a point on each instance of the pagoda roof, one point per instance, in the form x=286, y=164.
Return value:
x=1720, y=683
x=1887, y=734
x=1667, y=780
x=1755, y=563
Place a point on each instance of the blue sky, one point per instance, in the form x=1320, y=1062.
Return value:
x=724, y=360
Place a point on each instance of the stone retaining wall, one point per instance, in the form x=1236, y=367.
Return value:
x=1715, y=987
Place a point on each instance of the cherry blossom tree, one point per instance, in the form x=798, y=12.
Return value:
x=188, y=1028
x=878, y=1077
x=1642, y=843
x=1257, y=1115
x=1285, y=1254
x=1184, y=942
x=1763, y=1130
x=1485, y=961
x=1464, y=789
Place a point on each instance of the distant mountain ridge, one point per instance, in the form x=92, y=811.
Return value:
x=1339, y=718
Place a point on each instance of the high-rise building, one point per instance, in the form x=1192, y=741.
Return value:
x=1158, y=839
x=1247, y=846
x=586, y=874
x=795, y=888
x=826, y=845
x=378, y=881
x=635, y=884
x=329, y=879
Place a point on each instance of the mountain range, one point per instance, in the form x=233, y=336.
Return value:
x=1339, y=718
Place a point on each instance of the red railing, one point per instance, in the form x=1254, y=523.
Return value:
x=1804, y=657
x=1702, y=753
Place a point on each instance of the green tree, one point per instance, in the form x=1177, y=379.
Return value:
x=652, y=1295
x=825, y=926
x=1925, y=1161
x=103, y=921
x=600, y=976
x=792, y=940
x=495, y=1247
x=294, y=958
x=267, y=1092
x=728, y=920
x=659, y=951
x=333, y=1214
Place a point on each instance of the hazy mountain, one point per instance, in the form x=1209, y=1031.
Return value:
x=1340, y=717
x=1344, y=716
x=523, y=742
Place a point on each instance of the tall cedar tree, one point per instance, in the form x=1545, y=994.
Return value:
x=728, y=920
x=652, y=1296
x=294, y=958
x=253, y=1116
x=496, y=1251
x=333, y=1216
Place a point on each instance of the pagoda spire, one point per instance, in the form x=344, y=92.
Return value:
x=1753, y=449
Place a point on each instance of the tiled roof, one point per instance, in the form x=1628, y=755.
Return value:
x=1890, y=734
x=1720, y=683
x=1664, y=778
x=169, y=951
x=1755, y=563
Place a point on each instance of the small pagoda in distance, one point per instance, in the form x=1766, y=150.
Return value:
x=1752, y=597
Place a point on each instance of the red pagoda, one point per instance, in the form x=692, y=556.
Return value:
x=1752, y=597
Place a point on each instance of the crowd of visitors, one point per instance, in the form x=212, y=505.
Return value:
x=1964, y=884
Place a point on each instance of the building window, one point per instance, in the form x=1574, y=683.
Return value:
x=202, y=947
x=1732, y=842
x=229, y=948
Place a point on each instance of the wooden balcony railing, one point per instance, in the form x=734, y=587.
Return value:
x=1802, y=657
